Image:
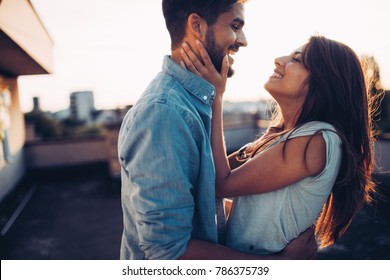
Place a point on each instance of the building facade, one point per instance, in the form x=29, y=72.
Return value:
x=26, y=48
x=82, y=106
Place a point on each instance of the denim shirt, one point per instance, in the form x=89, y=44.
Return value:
x=167, y=170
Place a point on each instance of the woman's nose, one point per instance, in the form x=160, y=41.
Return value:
x=280, y=61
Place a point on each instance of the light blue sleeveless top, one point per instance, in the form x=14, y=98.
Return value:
x=266, y=223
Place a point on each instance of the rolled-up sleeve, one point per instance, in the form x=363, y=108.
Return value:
x=160, y=159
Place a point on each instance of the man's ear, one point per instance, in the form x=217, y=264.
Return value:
x=197, y=26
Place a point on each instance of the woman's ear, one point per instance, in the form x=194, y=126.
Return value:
x=197, y=26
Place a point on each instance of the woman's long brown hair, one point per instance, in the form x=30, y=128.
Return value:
x=338, y=95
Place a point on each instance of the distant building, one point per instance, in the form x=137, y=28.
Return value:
x=82, y=106
x=260, y=108
x=103, y=117
x=61, y=115
x=26, y=48
x=36, y=105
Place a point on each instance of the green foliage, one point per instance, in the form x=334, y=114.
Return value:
x=84, y=131
x=47, y=127
x=382, y=100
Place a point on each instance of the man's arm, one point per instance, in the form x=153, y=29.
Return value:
x=158, y=154
x=302, y=247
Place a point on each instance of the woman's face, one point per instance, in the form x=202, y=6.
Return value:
x=287, y=83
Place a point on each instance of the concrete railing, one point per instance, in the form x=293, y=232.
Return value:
x=65, y=152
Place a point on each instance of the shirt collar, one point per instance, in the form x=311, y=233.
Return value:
x=195, y=85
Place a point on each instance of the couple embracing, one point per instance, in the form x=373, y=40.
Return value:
x=305, y=178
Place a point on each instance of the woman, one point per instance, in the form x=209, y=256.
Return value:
x=314, y=163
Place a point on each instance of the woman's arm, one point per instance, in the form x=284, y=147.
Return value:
x=209, y=73
x=273, y=169
x=233, y=161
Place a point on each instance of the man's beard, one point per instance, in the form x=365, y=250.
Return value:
x=216, y=54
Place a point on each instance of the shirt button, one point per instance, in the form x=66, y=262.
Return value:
x=205, y=97
x=212, y=93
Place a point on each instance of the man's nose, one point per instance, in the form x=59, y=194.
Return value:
x=241, y=39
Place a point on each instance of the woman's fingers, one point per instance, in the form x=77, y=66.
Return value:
x=205, y=56
x=225, y=67
x=209, y=64
x=187, y=63
x=194, y=59
x=204, y=67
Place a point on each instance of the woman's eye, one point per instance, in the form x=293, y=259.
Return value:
x=294, y=59
x=235, y=26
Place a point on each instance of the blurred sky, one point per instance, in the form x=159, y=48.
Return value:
x=115, y=47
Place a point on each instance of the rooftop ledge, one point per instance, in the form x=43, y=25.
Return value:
x=26, y=47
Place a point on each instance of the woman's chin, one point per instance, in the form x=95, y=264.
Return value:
x=268, y=87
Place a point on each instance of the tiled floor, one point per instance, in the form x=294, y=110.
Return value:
x=68, y=217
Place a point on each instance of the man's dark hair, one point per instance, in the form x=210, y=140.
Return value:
x=176, y=13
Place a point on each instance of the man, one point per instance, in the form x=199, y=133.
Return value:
x=168, y=196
